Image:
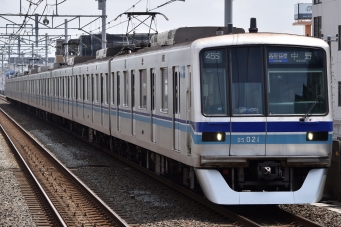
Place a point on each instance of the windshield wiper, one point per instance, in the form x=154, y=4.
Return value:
x=310, y=108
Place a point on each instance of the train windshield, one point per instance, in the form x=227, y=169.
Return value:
x=296, y=81
x=293, y=82
x=214, y=82
x=247, y=80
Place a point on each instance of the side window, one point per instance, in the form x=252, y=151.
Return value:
x=94, y=88
x=339, y=38
x=68, y=95
x=76, y=87
x=88, y=81
x=84, y=87
x=164, y=90
x=113, y=88
x=247, y=86
x=106, y=84
x=143, y=89
x=118, y=89
x=102, y=90
x=214, y=89
x=80, y=81
x=132, y=88
x=63, y=87
x=339, y=94
x=152, y=90
x=98, y=88
x=317, y=27
x=125, y=88
x=72, y=85
x=58, y=87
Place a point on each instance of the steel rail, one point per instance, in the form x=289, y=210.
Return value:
x=217, y=208
x=300, y=220
x=42, y=191
x=118, y=220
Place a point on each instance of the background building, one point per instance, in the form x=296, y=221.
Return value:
x=327, y=22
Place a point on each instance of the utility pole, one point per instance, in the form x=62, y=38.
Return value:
x=46, y=50
x=9, y=56
x=66, y=49
x=102, y=5
x=19, y=47
x=36, y=28
x=2, y=72
x=32, y=55
x=228, y=12
x=56, y=7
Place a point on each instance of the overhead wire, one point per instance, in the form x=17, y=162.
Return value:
x=163, y=5
x=133, y=6
x=25, y=21
x=57, y=3
x=21, y=26
x=147, y=11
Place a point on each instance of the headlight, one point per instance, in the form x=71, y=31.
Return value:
x=213, y=136
x=310, y=136
x=317, y=136
x=219, y=136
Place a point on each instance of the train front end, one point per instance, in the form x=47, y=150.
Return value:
x=263, y=130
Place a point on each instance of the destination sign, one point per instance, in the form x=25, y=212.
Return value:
x=293, y=57
x=278, y=57
x=213, y=57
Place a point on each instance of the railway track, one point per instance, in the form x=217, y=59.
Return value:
x=240, y=215
x=63, y=200
x=252, y=216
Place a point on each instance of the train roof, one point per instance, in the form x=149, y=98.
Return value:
x=213, y=41
x=260, y=38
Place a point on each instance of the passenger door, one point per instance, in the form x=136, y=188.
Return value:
x=188, y=110
x=132, y=97
x=248, y=121
x=102, y=95
x=152, y=106
x=118, y=92
x=176, y=109
x=88, y=98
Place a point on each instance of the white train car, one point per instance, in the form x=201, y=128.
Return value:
x=246, y=116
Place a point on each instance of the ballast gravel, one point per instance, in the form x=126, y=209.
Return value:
x=320, y=215
x=13, y=208
x=145, y=201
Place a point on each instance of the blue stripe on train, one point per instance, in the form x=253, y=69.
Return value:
x=294, y=139
x=237, y=127
x=263, y=126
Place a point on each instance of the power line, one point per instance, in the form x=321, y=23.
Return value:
x=147, y=11
x=133, y=6
x=57, y=3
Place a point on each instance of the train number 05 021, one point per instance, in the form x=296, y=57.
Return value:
x=248, y=139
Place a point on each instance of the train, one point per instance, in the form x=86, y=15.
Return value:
x=243, y=117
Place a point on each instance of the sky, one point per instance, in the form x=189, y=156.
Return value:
x=272, y=15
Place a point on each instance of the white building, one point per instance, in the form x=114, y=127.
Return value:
x=327, y=22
